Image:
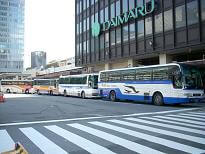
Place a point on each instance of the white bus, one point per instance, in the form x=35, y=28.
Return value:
x=17, y=86
x=160, y=84
x=83, y=85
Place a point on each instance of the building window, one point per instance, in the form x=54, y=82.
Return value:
x=140, y=28
x=84, y=47
x=80, y=27
x=96, y=17
x=180, y=16
x=158, y=23
x=80, y=7
x=168, y=20
x=192, y=13
x=125, y=33
x=92, y=2
x=106, y=40
x=88, y=46
x=131, y=4
x=148, y=25
x=77, y=8
x=88, y=3
x=92, y=45
x=101, y=16
x=203, y=10
x=84, y=25
x=84, y=4
x=106, y=14
x=118, y=8
x=125, y=5
x=77, y=27
x=112, y=10
x=102, y=42
x=92, y=19
x=112, y=37
x=132, y=31
x=88, y=23
x=118, y=35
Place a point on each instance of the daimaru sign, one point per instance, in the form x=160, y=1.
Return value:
x=124, y=18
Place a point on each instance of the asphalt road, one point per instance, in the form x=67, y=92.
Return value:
x=57, y=124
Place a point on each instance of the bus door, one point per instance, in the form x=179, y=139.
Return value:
x=93, y=81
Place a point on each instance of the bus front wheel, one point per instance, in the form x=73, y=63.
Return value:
x=8, y=91
x=26, y=91
x=83, y=95
x=112, y=96
x=158, y=99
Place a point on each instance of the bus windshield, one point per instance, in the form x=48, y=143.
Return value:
x=191, y=77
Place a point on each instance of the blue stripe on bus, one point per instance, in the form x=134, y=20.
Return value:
x=119, y=95
x=142, y=82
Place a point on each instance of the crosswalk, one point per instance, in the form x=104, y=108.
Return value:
x=157, y=134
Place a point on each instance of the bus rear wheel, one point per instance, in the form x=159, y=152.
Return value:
x=113, y=96
x=65, y=93
x=26, y=91
x=158, y=99
x=51, y=92
x=8, y=91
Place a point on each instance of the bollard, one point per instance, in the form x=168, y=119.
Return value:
x=2, y=97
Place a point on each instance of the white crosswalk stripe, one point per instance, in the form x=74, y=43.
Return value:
x=174, y=122
x=171, y=126
x=116, y=140
x=42, y=142
x=158, y=140
x=80, y=141
x=160, y=131
x=186, y=117
x=197, y=113
x=6, y=142
x=192, y=115
x=157, y=133
x=182, y=120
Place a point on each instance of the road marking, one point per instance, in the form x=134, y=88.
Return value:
x=171, y=126
x=173, y=122
x=79, y=141
x=91, y=118
x=191, y=115
x=41, y=141
x=6, y=142
x=186, y=117
x=116, y=140
x=197, y=113
x=150, y=138
x=182, y=120
x=160, y=131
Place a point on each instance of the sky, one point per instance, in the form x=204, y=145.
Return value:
x=49, y=27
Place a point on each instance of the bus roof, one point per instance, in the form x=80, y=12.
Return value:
x=17, y=80
x=78, y=75
x=150, y=66
x=44, y=79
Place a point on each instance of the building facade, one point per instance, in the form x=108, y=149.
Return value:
x=11, y=35
x=125, y=33
x=38, y=59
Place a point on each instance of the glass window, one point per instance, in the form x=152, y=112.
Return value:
x=77, y=27
x=84, y=25
x=88, y=46
x=118, y=35
x=112, y=37
x=88, y=24
x=92, y=45
x=148, y=25
x=106, y=14
x=103, y=76
x=118, y=8
x=77, y=7
x=84, y=4
x=102, y=42
x=125, y=5
x=180, y=16
x=158, y=23
x=101, y=16
x=160, y=73
x=80, y=27
x=168, y=20
x=96, y=17
x=203, y=10
x=112, y=10
x=92, y=2
x=192, y=13
x=106, y=40
x=84, y=46
x=125, y=33
x=131, y=4
x=114, y=76
x=88, y=3
x=144, y=74
x=132, y=31
x=140, y=25
x=128, y=75
x=80, y=6
x=92, y=19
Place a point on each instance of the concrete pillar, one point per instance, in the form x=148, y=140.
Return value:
x=165, y=59
x=107, y=66
x=131, y=62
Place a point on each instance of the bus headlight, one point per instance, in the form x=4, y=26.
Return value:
x=188, y=94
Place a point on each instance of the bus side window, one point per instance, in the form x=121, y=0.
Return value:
x=176, y=77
